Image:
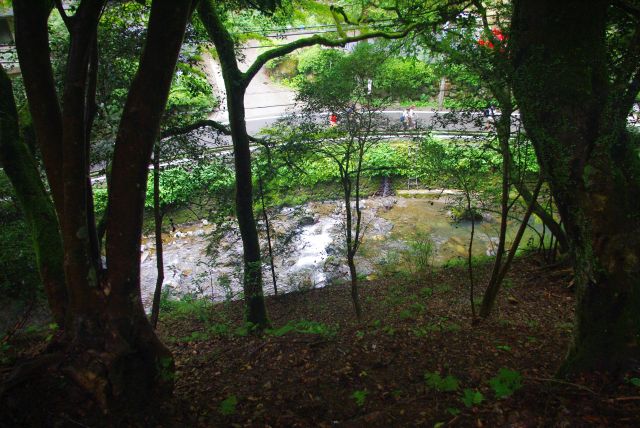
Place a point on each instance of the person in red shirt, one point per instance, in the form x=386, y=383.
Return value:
x=333, y=119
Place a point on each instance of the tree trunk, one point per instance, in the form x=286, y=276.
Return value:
x=470, y=258
x=491, y=292
x=110, y=349
x=575, y=114
x=32, y=44
x=547, y=219
x=40, y=215
x=157, y=217
x=355, y=297
x=503, y=128
x=269, y=247
x=236, y=86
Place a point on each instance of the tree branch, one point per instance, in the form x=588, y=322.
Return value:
x=63, y=14
x=206, y=123
x=319, y=40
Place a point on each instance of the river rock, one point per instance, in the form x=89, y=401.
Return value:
x=306, y=220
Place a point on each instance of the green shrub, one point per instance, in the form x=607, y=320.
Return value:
x=506, y=382
x=305, y=327
x=419, y=256
x=360, y=397
x=228, y=405
x=471, y=397
x=437, y=382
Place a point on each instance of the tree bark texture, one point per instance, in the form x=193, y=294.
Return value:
x=575, y=113
x=111, y=349
x=236, y=85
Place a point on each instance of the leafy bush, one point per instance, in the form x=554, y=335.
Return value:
x=317, y=60
x=471, y=397
x=419, y=255
x=228, y=405
x=360, y=397
x=100, y=196
x=386, y=160
x=406, y=79
x=437, y=382
x=506, y=382
x=305, y=327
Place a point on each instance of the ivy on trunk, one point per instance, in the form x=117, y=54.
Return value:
x=574, y=103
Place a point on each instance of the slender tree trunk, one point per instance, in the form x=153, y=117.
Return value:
x=441, y=92
x=40, y=215
x=350, y=246
x=545, y=216
x=503, y=128
x=157, y=218
x=253, y=293
x=470, y=258
x=579, y=133
x=236, y=86
x=268, y=229
x=492, y=290
x=355, y=296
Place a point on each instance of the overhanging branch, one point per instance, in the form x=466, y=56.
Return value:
x=319, y=40
x=201, y=124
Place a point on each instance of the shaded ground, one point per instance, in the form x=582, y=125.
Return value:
x=325, y=369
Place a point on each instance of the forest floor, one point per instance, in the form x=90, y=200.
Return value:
x=413, y=360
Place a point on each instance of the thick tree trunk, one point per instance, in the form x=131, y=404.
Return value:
x=574, y=116
x=40, y=215
x=111, y=349
x=236, y=86
x=32, y=44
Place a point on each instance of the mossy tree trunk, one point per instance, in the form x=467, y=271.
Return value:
x=574, y=104
x=109, y=347
x=20, y=166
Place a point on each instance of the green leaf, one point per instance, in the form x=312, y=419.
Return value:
x=506, y=382
x=437, y=382
x=635, y=381
x=471, y=397
x=360, y=396
x=228, y=405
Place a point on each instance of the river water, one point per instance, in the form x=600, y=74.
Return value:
x=308, y=243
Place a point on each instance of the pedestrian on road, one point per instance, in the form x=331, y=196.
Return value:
x=333, y=120
x=489, y=117
x=411, y=117
x=403, y=118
